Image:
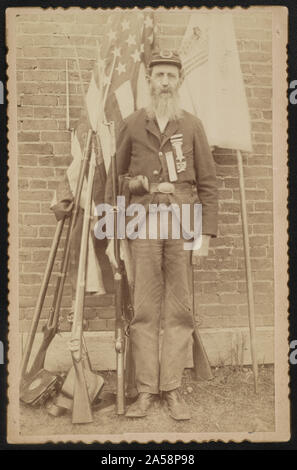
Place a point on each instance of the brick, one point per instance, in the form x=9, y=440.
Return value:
x=24, y=112
x=43, y=112
x=264, y=206
x=27, y=231
x=251, y=194
x=261, y=103
x=55, y=136
x=35, y=195
x=261, y=126
x=232, y=275
x=48, y=231
x=41, y=76
x=99, y=301
x=228, y=218
x=263, y=228
x=23, y=257
x=38, y=184
x=37, y=172
x=30, y=279
x=225, y=194
x=262, y=92
x=207, y=287
x=207, y=299
x=23, y=40
x=28, y=136
x=231, y=182
x=265, y=161
x=23, y=184
x=26, y=64
x=24, y=87
x=226, y=287
x=267, y=115
x=233, y=299
x=37, y=219
x=110, y=324
x=52, y=64
x=260, y=218
x=38, y=148
x=106, y=313
x=40, y=124
x=29, y=207
x=98, y=325
x=262, y=137
x=230, y=228
x=40, y=100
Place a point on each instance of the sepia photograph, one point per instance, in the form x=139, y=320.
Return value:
x=147, y=225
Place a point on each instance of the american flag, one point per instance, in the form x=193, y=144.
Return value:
x=116, y=89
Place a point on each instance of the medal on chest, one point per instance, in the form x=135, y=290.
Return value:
x=177, y=142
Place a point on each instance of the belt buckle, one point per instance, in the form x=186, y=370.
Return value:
x=166, y=188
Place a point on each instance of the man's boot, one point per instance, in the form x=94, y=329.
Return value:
x=177, y=407
x=141, y=407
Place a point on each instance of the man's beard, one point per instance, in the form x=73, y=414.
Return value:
x=164, y=105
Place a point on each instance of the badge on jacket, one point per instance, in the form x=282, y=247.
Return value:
x=177, y=142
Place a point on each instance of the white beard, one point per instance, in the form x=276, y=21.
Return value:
x=164, y=105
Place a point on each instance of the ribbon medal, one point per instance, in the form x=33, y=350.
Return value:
x=177, y=142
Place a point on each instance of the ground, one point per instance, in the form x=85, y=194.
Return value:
x=227, y=403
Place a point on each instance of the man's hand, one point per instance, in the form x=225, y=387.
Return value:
x=202, y=251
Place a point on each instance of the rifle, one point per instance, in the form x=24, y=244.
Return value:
x=82, y=412
x=118, y=286
x=50, y=328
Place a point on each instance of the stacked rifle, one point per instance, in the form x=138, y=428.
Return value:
x=81, y=386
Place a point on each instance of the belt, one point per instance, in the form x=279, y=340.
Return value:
x=168, y=188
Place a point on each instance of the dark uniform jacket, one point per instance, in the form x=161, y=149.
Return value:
x=141, y=148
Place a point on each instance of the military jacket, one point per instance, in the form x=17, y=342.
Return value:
x=140, y=150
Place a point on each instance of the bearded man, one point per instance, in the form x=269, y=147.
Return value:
x=165, y=152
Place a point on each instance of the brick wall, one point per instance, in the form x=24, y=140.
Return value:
x=44, y=153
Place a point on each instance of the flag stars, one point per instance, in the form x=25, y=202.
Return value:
x=136, y=56
x=112, y=35
x=131, y=41
x=121, y=68
x=148, y=22
x=117, y=52
x=125, y=25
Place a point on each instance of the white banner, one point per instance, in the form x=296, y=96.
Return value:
x=213, y=88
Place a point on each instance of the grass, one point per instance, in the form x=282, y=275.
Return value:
x=225, y=404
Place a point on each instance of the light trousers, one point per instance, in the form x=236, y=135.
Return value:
x=161, y=269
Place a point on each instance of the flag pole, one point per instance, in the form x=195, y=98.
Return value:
x=67, y=98
x=251, y=307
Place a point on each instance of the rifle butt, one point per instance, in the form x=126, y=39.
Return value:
x=202, y=368
x=81, y=411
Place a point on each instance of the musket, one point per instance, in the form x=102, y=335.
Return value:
x=118, y=286
x=201, y=364
x=40, y=300
x=50, y=328
x=82, y=412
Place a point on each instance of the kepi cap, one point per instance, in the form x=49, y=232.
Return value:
x=165, y=56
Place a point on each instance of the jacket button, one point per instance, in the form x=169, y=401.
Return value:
x=160, y=154
x=160, y=179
